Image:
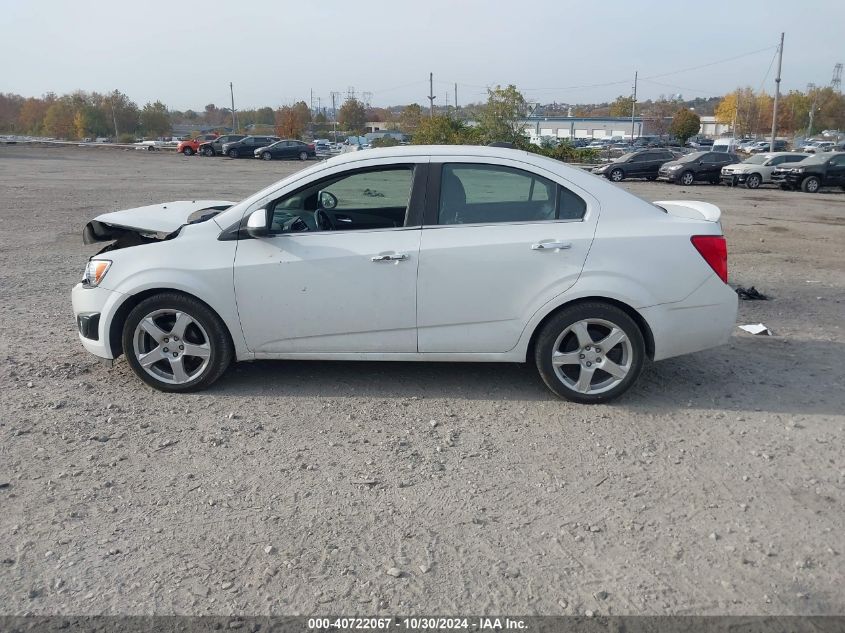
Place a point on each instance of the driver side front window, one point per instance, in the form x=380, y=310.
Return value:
x=363, y=199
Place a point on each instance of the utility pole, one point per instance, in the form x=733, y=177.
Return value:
x=456, y=97
x=232, y=93
x=777, y=97
x=114, y=119
x=634, y=107
x=431, y=94
x=334, y=115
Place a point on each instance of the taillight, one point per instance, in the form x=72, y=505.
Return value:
x=714, y=250
x=310, y=145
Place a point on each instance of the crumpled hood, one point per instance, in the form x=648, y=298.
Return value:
x=161, y=219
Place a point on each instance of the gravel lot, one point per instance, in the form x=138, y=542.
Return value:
x=716, y=486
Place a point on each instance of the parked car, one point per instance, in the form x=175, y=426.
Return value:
x=763, y=147
x=817, y=146
x=757, y=169
x=190, y=146
x=247, y=145
x=215, y=146
x=641, y=164
x=700, y=143
x=288, y=148
x=696, y=166
x=439, y=253
x=730, y=145
x=824, y=169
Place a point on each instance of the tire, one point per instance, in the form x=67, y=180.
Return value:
x=152, y=327
x=687, y=178
x=188, y=151
x=811, y=184
x=303, y=155
x=753, y=181
x=572, y=333
x=617, y=175
x=208, y=151
x=233, y=153
x=266, y=156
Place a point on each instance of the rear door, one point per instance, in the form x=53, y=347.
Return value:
x=836, y=171
x=501, y=238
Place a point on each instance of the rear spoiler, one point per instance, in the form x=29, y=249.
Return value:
x=691, y=209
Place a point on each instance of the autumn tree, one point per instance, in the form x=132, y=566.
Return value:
x=409, y=119
x=443, y=130
x=502, y=117
x=685, y=124
x=155, y=119
x=289, y=122
x=352, y=116
x=58, y=120
x=622, y=106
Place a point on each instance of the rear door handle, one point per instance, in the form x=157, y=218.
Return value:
x=398, y=257
x=551, y=246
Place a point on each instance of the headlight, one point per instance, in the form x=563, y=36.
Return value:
x=797, y=170
x=95, y=271
x=674, y=167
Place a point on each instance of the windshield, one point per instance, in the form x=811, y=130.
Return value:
x=759, y=159
x=815, y=159
x=691, y=158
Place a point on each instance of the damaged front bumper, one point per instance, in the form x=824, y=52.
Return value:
x=93, y=309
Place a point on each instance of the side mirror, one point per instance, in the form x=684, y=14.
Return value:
x=256, y=225
x=327, y=200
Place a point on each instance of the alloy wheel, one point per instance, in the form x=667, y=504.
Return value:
x=616, y=175
x=687, y=178
x=171, y=346
x=267, y=156
x=592, y=356
x=303, y=156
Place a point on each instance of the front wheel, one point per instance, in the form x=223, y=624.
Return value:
x=233, y=153
x=266, y=156
x=207, y=151
x=176, y=343
x=617, y=175
x=188, y=151
x=590, y=352
x=753, y=181
x=810, y=185
x=687, y=178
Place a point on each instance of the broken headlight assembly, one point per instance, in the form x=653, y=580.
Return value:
x=95, y=271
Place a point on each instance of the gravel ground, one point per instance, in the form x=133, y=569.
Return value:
x=716, y=486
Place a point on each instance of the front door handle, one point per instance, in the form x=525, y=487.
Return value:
x=398, y=257
x=551, y=246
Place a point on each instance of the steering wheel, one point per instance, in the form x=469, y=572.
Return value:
x=323, y=220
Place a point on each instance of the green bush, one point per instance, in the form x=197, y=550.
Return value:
x=384, y=141
x=126, y=138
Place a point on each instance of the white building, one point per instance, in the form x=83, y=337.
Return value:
x=583, y=127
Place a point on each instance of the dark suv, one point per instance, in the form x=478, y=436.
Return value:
x=247, y=145
x=697, y=166
x=212, y=148
x=819, y=170
x=642, y=164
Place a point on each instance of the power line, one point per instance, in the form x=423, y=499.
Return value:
x=721, y=61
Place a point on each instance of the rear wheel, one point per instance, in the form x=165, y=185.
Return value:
x=810, y=184
x=753, y=181
x=617, y=175
x=266, y=156
x=233, y=153
x=590, y=352
x=176, y=343
x=687, y=178
x=188, y=151
x=303, y=155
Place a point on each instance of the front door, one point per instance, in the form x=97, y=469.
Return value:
x=498, y=243
x=836, y=171
x=319, y=285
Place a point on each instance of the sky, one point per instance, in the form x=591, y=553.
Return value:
x=185, y=53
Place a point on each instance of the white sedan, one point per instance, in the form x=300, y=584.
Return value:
x=417, y=253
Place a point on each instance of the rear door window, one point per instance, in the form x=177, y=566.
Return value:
x=487, y=194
